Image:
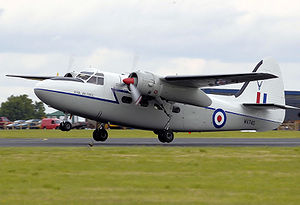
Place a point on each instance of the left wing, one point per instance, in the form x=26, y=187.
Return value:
x=198, y=81
x=32, y=77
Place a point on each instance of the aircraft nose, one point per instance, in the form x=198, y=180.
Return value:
x=40, y=90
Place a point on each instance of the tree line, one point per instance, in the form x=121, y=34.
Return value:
x=22, y=108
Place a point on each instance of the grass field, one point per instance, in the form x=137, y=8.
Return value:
x=140, y=133
x=150, y=175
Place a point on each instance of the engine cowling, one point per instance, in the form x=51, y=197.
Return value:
x=152, y=85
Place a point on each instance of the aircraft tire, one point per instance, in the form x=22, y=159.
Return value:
x=161, y=138
x=166, y=136
x=65, y=126
x=100, y=135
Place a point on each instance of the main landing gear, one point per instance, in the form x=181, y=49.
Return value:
x=65, y=126
x=100, y=134
x=165, y=136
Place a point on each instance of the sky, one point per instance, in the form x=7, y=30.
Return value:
x=46, y=37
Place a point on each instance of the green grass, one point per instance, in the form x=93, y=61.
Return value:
x=140, y=133
x=150, y=175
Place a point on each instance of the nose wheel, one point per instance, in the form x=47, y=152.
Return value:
x=100, y=135
x=65, y=126
x=165, y=136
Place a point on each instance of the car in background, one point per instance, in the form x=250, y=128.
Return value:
x=50, y=123
x=4, y=122
x=30, y=124
x=15, y=124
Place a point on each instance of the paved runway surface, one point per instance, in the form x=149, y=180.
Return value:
x=188, y=142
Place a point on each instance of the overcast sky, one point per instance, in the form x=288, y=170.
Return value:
x=161, y=36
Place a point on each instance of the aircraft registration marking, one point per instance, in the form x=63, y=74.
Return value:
x=83, y=93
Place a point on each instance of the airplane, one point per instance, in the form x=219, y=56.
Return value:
x=167, y=104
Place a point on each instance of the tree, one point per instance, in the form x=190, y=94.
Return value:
x=39, y=110
x=21, y=107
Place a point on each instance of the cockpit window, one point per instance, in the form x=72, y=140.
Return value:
x=99, y=74
x=97, y=78
x=83, y=76
x=92, y=80
x=86, y=72
x=100, y=81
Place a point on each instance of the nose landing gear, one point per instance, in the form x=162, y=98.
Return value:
x=165, y=136
x=100, y=134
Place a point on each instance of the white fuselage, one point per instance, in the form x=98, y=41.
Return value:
x=104, y=103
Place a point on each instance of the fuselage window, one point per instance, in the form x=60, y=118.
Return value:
x=92, y=80
x=127, y=100
x=176, y=109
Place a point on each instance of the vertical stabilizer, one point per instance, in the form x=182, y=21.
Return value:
x=269, y=91
x=264, y=91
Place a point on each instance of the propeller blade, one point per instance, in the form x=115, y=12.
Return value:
x=135, y=93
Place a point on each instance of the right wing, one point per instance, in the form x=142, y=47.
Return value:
x=32, y=77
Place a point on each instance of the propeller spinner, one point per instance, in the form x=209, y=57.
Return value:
x=135, y=93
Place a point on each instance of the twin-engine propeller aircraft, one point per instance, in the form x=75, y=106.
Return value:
x=167, y=104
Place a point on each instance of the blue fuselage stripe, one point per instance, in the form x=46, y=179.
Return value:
x=116, y=101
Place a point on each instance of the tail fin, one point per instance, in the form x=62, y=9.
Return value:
x=266, y=91
x=265, y=95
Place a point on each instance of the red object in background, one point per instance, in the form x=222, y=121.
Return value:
x=50, y=123
x=3, y=122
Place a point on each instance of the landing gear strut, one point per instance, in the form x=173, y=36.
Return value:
x=65, y=126
x=100, y=134
x=165, y=136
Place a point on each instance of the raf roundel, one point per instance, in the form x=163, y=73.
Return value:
x=219, y=118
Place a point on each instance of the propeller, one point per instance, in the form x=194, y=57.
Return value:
x=135, y=93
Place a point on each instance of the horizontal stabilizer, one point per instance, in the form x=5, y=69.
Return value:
x=269, y=106
x=32, y=77
x=198, y=81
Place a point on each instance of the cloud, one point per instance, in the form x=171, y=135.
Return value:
x=230, y=30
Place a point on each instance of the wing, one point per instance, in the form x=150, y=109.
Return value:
x=32, y=77
x=198, y=81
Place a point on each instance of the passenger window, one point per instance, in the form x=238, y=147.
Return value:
x=176, y=109
x=127, y=100
x=52, y=122
x=92, y=80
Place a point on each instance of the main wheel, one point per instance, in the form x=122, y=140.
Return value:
x=100, y=135
x=65, y=126
x=166, y=136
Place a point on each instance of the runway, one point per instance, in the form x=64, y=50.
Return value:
x=180, y=142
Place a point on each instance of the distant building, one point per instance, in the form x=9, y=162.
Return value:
x=60, y=115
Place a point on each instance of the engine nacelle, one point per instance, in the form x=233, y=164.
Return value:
x=152, y=85
x=147, y=83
